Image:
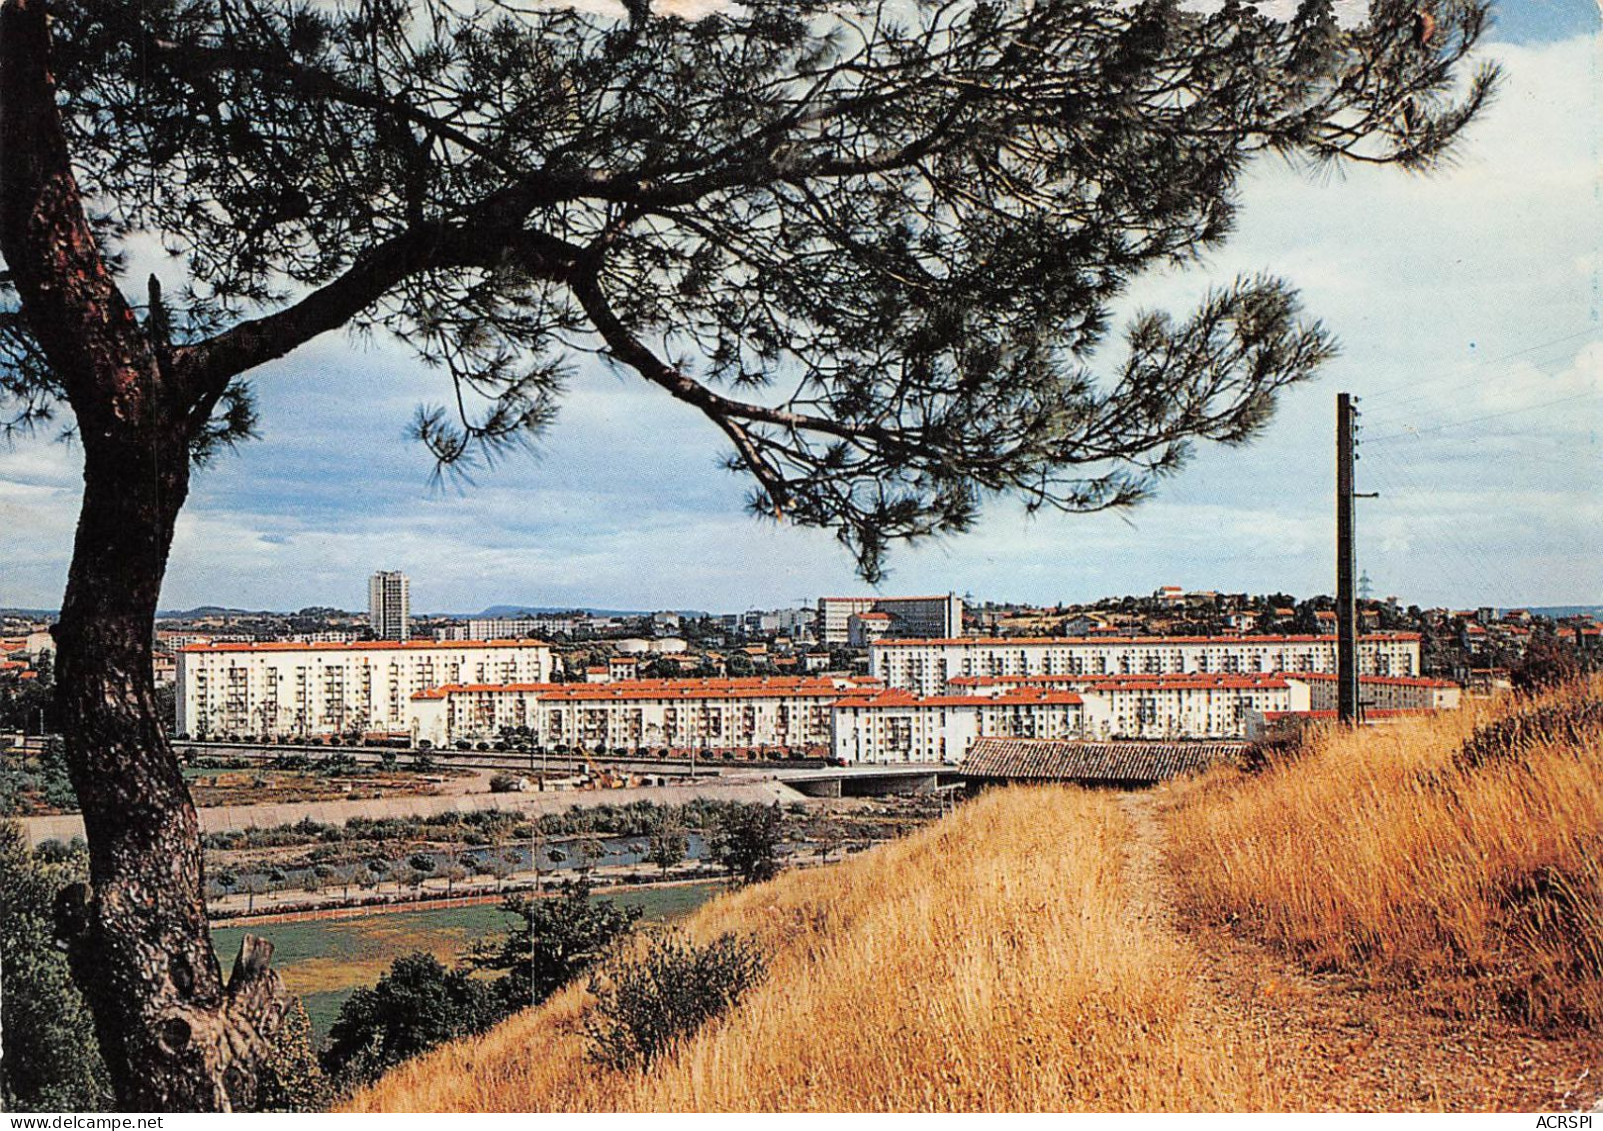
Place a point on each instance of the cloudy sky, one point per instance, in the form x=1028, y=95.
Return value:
x=1469, y=305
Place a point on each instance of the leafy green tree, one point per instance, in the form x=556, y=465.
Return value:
x=558, y=938
x=167, y=706
x=291, y=1078
x=49, y=1060
x=747, y=841
x=667, y=845
x=875, y=247
x=416, y=1005
x=26, y=704
x=589, y=850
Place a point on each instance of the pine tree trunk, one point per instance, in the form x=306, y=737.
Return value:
x=174, y=1038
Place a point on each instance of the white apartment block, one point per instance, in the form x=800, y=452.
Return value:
x=893, y=725
x=925, y=666
x=519, y=628
x=773, y=622
x=709, y=714
x=1386, y=693
x=282, y=690
x=890, y=725
x=389, y=605
x=910, y=616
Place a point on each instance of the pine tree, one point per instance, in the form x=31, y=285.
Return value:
x=874, y=244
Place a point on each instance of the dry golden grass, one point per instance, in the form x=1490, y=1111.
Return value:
x=1394, y=854
x=985, y=963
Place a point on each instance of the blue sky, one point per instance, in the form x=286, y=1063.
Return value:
x=1469, y=304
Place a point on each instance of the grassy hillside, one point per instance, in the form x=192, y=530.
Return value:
x=1054, y=949
x=1463, y=852
x=982, y=964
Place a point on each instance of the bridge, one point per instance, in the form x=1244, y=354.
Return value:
x=868, y=781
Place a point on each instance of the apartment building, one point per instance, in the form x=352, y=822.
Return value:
x=1385, y=693
x=285, y=689
x=909, y=616
x=389, y=605
x=894, y=725
x=789, y=712
x=925, y=666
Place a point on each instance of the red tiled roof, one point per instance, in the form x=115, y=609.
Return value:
x=896, y=697
x=1027, y=759
x=1013, y=641
x=754, y=687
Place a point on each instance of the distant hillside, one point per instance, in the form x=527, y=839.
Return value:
x=550, y=610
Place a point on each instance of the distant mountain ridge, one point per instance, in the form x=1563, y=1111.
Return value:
x=492, y=611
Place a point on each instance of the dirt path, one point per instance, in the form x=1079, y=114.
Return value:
x=1335, y=1045
x=222, y=818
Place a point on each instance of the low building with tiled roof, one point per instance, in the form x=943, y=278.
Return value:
x=1118, y=764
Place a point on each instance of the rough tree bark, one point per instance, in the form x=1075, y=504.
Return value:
x=173, y=1035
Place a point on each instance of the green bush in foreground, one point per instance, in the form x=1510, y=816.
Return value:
x=645, y=1005
x=49, y=1060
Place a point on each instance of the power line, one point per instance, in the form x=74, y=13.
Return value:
x=1455, y=554
x=1413, y=432
x=1414, y=386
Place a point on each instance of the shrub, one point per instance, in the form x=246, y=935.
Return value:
x=291, y=1079
x=645, y=1005
x=504, y=783
x=50, y=1061
x=559, y=939
x=416, y=1005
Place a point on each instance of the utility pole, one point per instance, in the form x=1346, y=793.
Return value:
x=1348, y=706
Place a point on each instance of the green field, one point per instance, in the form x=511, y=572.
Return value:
x=325, y=960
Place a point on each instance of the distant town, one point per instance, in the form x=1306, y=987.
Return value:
x=852, y=679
